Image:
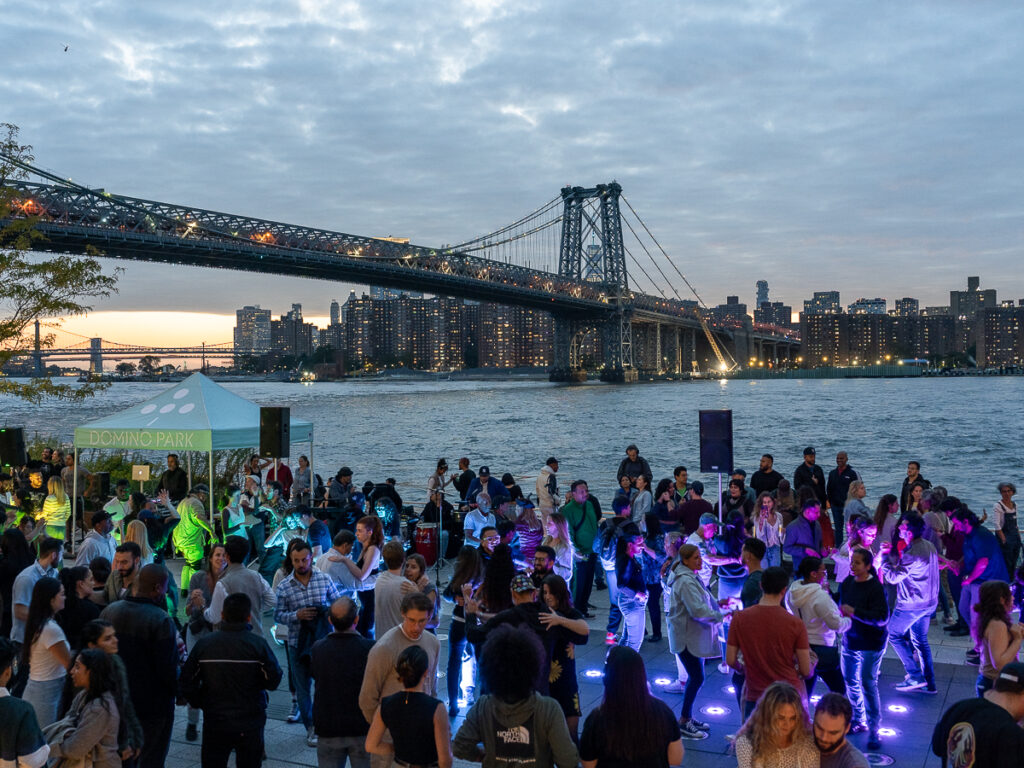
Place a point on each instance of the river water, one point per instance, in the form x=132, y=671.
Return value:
x=966, y=432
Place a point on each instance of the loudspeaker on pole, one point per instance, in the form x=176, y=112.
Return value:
x=716, y=442
x=275, y=432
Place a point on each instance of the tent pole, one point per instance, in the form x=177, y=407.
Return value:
x=213, y=503
x=74, y=500
x=188, y=466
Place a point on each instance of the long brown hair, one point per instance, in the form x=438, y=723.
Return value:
x=991, y=606
x=373, y=524
x=760, y=725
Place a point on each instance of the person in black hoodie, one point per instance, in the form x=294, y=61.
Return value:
x=227, y=675
x=147, y=644
x=811, y=475
x=862, y=599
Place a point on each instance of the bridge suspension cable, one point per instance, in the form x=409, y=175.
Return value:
x=465, y=246
x=720, y=351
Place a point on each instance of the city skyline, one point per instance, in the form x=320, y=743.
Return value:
x=814, y=144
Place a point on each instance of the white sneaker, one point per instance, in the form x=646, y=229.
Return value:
x=676, y=686
x=311, y=739
x=724, y=668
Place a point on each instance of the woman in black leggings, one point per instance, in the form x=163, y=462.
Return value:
x=693, y=619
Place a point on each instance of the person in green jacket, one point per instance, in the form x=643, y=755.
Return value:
x=583, y=518
x=193, y=531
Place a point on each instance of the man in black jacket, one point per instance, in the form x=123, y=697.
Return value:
x=227, y=675
x=338, y=665
x=810, y=474
x=174, y=479
x=148, y=645
x=837, y=489
x=634, y=465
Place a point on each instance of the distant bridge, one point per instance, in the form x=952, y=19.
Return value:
x=590, y=295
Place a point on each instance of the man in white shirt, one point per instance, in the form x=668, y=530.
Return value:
x=330, y=563
x=98, y=542
x=118, y=507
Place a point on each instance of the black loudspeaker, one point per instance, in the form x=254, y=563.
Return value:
x=275, y=432
x=12, y=447
x=716, y=442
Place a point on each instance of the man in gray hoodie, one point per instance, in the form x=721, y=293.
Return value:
x=916, y=576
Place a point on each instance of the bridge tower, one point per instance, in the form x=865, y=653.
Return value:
x=37, y=355
x=592, y=214
x=95, y=356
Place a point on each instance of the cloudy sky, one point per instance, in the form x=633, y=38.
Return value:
x=870, y=147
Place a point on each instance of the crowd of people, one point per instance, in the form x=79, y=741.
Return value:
x=784, y=582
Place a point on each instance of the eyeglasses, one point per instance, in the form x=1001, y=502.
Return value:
x=492, y=538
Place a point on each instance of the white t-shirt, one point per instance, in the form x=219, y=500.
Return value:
x=474, y=523
x=43, y=665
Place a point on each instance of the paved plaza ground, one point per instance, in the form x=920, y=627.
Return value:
x=907, y=720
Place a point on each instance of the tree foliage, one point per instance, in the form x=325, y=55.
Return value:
x=36, y=287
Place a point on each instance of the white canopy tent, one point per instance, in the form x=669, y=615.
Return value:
x=196, y=415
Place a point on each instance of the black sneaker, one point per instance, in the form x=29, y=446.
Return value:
x=690, y=731
x=191, y=733
x=700, y=726
x=873, y=743
x=858, y=728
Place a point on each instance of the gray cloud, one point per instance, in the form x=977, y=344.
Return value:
x=871, y=147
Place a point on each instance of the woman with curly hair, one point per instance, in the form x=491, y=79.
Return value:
x=778, y=732
x=996, y=638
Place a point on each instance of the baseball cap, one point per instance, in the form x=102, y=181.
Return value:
x=1010, y=678
x=200, y=488
x=484, y=470
x=522, y=583
x=345, y=472
x=809, y=450
x=708, y=519
x=99, y=517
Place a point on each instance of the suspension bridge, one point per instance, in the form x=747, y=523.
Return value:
x=570, y=257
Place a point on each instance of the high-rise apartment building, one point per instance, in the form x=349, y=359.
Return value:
x=965, y=304
x=774, y=313
x=252, y=330
x=335, y=313
x=823, y=303
x=762, y=294
x=868, y=307
x=907, y=307
x=999, y=336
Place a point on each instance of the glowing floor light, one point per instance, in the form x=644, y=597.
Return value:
x=899, y=709
x=815, y=699
x=715, y=710
x=662, y=681
x=592, y=673
x=730, y=689
x=888, y=732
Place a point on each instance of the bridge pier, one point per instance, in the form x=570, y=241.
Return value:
x=37, y=356
x=95, y=357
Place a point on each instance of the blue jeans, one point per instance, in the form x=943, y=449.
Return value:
x=303, y=683
x=333, y=752
x=614, y=614
x=772, y=557
x=908, y=632
x=634, y=615
x=860, y=669
x=456, y=647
